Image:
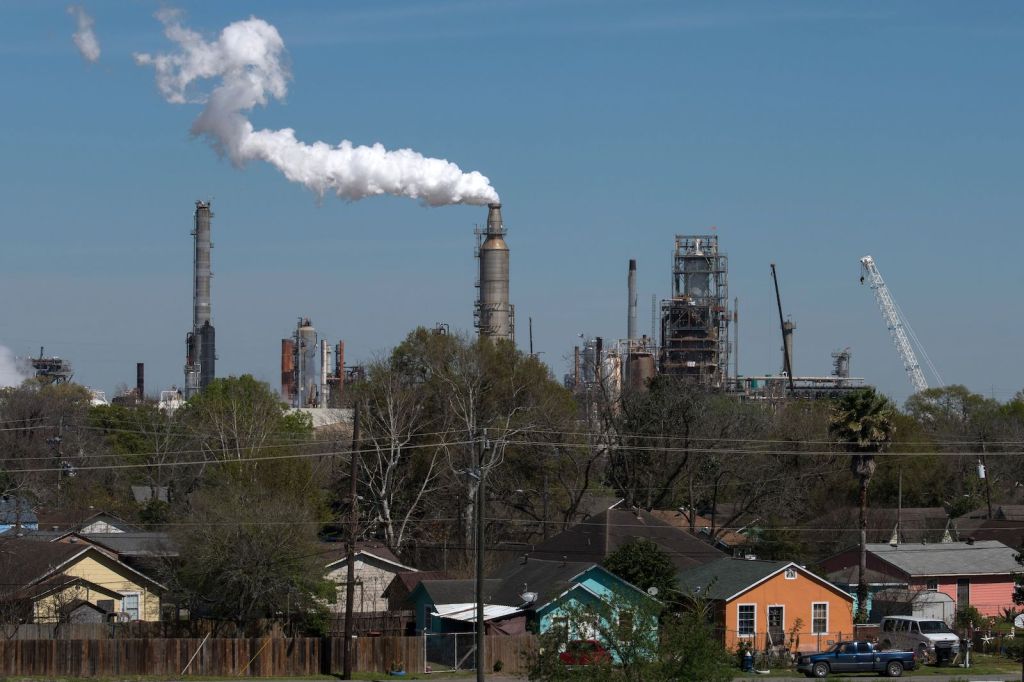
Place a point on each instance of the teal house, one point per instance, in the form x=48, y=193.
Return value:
x=534, y=595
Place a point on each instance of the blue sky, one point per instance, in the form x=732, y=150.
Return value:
x=807, y=133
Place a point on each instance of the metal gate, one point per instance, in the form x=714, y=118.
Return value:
x=449, y=651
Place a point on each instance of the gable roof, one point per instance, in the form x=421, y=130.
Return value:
x=458, y=591
x=410, y=579
x=1005, y=512
x=594, y=539
x=547, y=578
x=728, y=578
x=988, y=557
x=1010, y=533
x=336, y=553
x=27, y=562
x=76, y=520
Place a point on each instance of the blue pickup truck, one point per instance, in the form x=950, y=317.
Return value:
x=856, y=657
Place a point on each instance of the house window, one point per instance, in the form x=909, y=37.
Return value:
x=790, y=574
x=819, y=618
x=746, y=617
x=932, y=586
x=130, y=605
x=626, y=621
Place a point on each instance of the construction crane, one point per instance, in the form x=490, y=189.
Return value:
x=898, y=326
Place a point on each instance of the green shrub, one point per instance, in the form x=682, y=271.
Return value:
x=968, y=615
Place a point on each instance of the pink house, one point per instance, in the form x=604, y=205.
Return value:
x=975, y=573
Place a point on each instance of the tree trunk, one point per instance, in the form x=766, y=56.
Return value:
x=862, y=586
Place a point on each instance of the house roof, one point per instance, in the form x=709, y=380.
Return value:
x=458, y=591
x=727, y=536
x=547, y=578
x=336, y=553
x=467, y=612
x=26, y=562
x=148, y=544
x=1010, y=533
x=16, y=511
x=850, y=575
x=410, y=579
x=594, y=539
x=62, y=581
x=77, y=519
x=728, y=578
x=987, y=557
x=1005, y=512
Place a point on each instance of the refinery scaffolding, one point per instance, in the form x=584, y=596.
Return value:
x=695, y=321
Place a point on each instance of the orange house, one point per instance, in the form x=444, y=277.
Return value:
x=768, y=604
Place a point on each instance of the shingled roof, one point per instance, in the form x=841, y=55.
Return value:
x=950, y=558
x=596, y=538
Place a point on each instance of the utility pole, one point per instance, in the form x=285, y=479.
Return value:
x=984, y=468
x=483, y=448
x=353, y=529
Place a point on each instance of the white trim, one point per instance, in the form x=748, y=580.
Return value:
x=138, y=603
x=827, y=615
x=342, y=560
x=767, y=623
x=791, y=564
x=746, y=634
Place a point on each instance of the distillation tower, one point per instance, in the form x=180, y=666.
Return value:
x=495, y=316
x=695, y=321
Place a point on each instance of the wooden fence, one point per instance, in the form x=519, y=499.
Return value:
x=257, y=657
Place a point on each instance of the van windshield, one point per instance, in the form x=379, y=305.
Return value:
x=933, y=626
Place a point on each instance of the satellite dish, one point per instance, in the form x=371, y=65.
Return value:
x=1018, y=622
x=652, y=590
x=528, y=597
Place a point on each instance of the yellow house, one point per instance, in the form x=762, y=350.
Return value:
x=54, y=575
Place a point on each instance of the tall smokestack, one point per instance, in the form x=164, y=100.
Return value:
x=787, y=346
x=140, y=380
x=631, y=283
x=495, y=314
x=199, y=367
x=325, y=355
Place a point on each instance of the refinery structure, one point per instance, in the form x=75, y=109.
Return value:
x=694, y=334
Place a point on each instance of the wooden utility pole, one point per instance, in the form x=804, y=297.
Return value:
x=481, y=494
x=353, y=532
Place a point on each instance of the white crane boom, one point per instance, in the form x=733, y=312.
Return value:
x=895, y=323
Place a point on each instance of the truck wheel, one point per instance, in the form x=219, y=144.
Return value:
x=894, y=669
x=820, y=670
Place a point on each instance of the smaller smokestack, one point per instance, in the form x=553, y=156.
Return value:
x=576, y=367
x=288, y=370
x=140, y=380
x=631, y=286
x=325, y=355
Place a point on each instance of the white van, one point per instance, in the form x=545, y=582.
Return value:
x=931, y=638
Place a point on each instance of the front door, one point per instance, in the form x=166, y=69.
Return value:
x=963, y=592
x=776, y=633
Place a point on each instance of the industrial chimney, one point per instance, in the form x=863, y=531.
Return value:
x=200, y=342
x=631, y=284
x=495, y=316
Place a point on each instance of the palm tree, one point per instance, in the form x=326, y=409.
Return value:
x=862, y=422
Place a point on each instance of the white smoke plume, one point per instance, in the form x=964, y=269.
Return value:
x=247, y=60
x=11, y=372
x=84, y=36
